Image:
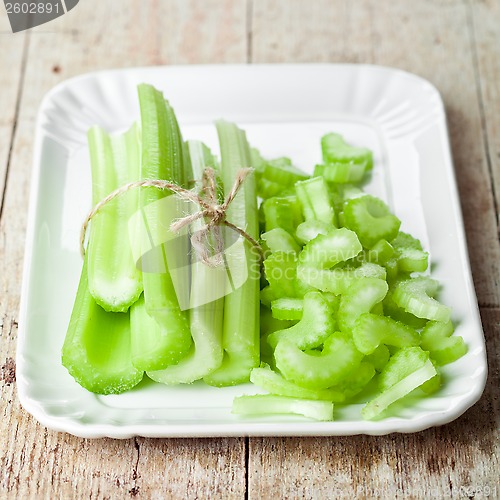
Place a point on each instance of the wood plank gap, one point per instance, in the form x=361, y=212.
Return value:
x=480, y=93
x=249, y=27
x=20, y=88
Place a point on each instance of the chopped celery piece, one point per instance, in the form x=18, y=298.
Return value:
x=241, y=331
x=274, y=383
x=333, y=300
x=325, y=251
x=96, y=350
x=315, y=200
x=359, y=298
x=395, y=312
x=282, y=212
x=433, y=384
x=341, y=172
x=401, y=364
x=405, y=240
x=438, y=340
x=411, y=260
x=370, y=218
x=267, y=295
x=115, y=282
x=350, y=192
x=281, y=273
x=338, y=280
x=268, y=189
x=416, y=296
x=316, y=325
x=336, y=150
x=357, y=380
x=270, y=324
x=162, y=158
x=309, y=229
x=378, y=309
x=381, y=252
x=379, y=357
x=281, y=171
x=391, y=266
x=268, y=404
x=371, y=330
x=399, y=390
x=156, y=345
x=315, y=369
x=205, y=320
x=410, y=254
x=275, y=177
x=279, y=240
x=287, y=308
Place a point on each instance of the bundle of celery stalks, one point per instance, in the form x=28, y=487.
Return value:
x=339, y=310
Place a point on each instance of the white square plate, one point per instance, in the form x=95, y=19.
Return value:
x=285, y=110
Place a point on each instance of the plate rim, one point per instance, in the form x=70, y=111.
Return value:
x=245, y=427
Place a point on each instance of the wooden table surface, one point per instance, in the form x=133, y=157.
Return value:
x=453, y=43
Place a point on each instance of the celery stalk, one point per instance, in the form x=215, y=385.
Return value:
x=96, y=350
x=155, y=345
x=206, y=319
x=114, y=280
x=241, y=307
x=162, y=158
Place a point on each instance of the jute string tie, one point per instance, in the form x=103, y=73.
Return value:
x=213, y=213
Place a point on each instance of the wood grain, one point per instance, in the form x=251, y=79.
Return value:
x=37, y=463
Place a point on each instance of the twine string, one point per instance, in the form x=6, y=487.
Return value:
x=213, y=213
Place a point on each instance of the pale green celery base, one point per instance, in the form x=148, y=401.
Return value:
x=97, y=347
x=158, y=341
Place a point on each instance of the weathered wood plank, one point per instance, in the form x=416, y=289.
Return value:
x=429, y=35
x=484, y=25
x=37, y=463
x=140, y=34
x=11, y=60
x=191, y=468
x=12, y=48
x=456, y=460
